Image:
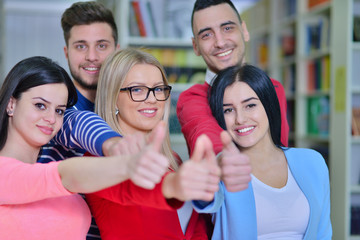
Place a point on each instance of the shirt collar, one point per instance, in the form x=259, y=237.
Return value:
x=209, y=76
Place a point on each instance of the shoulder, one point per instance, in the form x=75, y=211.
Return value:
x=306, y=159
x=197, y=89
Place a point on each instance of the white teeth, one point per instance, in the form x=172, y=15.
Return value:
x=245, y=129
x=92, y=69
x=149, y=111
x=225, y=53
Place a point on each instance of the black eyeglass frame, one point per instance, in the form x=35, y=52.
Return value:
x=166, y=87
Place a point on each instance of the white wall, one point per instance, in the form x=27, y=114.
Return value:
x=32, y=28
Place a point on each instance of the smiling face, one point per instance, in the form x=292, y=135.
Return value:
x=38, y=114
x=140, y=116
x=219, y=37
x=245, y=116
x=88, y=46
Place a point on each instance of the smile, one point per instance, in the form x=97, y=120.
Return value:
x=224, y=53
x=91, y=68
x=245, y=129
x=148, y=111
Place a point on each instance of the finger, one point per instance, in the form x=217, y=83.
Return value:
x=157, y=136
x=227, y=141
x=203, y=149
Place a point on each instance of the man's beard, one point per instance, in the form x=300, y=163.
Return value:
x=83, y=83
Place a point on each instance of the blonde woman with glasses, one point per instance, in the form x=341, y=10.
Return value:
x=133, y=97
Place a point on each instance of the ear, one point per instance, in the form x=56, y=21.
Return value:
x=11, y=107
x=66, y=52
x=196, y=50
x=245, y=31
x=117, y=46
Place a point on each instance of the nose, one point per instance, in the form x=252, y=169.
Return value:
x=50, y=117
x=91, y=55
x=240, y=117
x=219, y=40
x=151, y=98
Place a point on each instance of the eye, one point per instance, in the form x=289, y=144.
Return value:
x=251, y=105
x=206, y=35
x=160, y=89
x=228, y=28
x=102, y=46
x=137, y=90
x=40, y=106
x=60, y=111
x=228, y=110
x=80, y=46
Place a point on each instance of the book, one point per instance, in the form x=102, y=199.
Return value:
x=314, y=3
x=355, y=121
x=317, y=30
x=318, y=111
x=139, y=18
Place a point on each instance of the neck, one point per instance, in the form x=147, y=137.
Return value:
x=87, y=93
x=27, y=154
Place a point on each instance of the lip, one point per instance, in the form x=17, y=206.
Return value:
x=244, y=130
x=224, y=54
x=91, y=69
x=148, y=112
x=46, y=130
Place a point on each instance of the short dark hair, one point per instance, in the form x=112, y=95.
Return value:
x=257, y=81
x=202, y=4
x=28, y=73
x=84, y=13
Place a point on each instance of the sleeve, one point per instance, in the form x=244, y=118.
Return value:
x=325, y=227
x=195, y=117
x=23, y=182
x=84, y=130
x=214, y=205
x=280, y=92
x=127, y=193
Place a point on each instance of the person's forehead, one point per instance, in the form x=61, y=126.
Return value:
x=214, y=16
x=91, y=32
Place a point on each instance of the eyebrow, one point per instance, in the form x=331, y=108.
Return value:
x=244, y=101
x=221, y=25
x=43, y=99
x=98, y=41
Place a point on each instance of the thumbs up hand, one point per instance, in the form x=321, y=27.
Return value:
x=197, y=178
x=235, y=166
x=148, y=164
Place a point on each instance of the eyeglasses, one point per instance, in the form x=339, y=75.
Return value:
x=141, y=93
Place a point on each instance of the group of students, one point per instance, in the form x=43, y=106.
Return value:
x=241, y=181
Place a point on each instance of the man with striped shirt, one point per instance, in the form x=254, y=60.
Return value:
x=90, y=35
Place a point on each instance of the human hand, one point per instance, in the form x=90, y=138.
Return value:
x=235, y=166
x=148, y=164
x=197, y=178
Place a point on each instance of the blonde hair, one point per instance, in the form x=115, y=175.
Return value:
x=112, y=76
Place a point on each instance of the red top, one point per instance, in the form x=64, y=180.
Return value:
x=195, y=116
x=127, y=211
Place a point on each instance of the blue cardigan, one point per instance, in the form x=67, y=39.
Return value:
x=235, y=214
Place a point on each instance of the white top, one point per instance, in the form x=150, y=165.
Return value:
x=184, y=214
x=281, y=213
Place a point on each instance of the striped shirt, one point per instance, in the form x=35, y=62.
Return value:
x=82, y=131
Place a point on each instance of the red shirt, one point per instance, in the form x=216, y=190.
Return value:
x=195, y=116
x=126, y=211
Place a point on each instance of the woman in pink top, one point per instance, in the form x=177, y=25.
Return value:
x=37, y=201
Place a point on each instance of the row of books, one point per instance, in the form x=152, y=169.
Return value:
x=160, y=18
x=318, y=72
x=181, y=65
x=314, y=3
x=288, y=78
x=180, y=57
x=355, y=121
x=317, y=32
x=285, y=8
x=318, y=114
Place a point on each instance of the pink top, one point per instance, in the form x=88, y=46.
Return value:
x=35, y=205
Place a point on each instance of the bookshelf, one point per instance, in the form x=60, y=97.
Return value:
x=2, y=40
x=328, y=100
x=172, y=49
